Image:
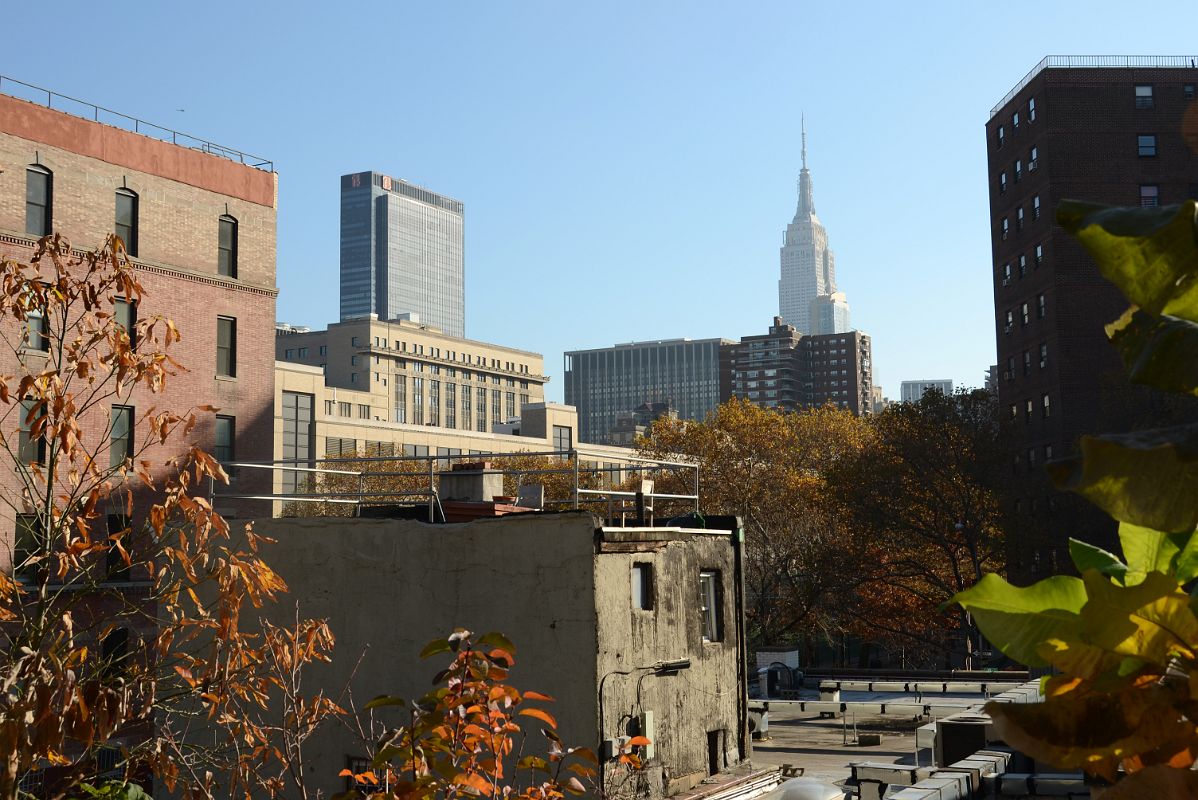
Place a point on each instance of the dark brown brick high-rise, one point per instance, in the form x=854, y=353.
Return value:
x=1115, y=130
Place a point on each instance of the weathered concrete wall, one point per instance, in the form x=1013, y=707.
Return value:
x=686, y=705
x=388, y=587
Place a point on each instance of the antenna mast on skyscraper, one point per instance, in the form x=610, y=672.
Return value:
x=803, y=124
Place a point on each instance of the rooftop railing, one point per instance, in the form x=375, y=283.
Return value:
x=1114, y=62
x=586, y=479
x=85, y=110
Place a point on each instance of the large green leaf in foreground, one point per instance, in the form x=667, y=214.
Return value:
x=1019, y=620
x=1161, y=352
x=1149, y=253
x=1147, y=478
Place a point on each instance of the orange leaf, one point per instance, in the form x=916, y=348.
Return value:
x=538, y=696
x=540, y=714
x=639, y=741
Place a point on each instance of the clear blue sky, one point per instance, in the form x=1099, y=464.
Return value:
x=628, y=168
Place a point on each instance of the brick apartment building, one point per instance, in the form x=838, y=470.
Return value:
x=786, y=370
x=1113, y=130
x=200, y=228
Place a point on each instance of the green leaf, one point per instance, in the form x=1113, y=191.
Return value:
x=1147, y=551
x=1149, y=253
x=385, y=700
x=496, y=639
x=1086, y=556
x=1017, y=620
x=1148, y=478
x=1151, y=621
x=1157, y=351
x=1187, y=559
x=434, y=647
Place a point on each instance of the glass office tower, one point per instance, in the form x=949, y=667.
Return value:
x=401, y=252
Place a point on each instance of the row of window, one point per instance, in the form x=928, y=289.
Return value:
x=1025, y=313
x=1030, y=460
x=1009, y=373
x=1033, y=163
x=39, y=218
x=1037, y=260
x=1001, y=133
x=1029, y=409
x=121, y=444
x=1145, y=96
x=1004, y=225
x=435, y=352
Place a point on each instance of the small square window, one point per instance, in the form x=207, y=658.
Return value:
x=1150, y=196
x=1144, y=95
x=1187, y=91
x=1146, y=145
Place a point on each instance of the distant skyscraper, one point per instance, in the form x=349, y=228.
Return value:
x=830, y=314
x=808, y=266
x=401, y=252
x=608, y=382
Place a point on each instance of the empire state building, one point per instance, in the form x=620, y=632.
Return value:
x=807, y=296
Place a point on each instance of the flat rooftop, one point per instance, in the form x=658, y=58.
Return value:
x=1097, y=62
x=106, y=116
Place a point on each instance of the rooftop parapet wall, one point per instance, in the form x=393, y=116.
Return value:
x=137, y=152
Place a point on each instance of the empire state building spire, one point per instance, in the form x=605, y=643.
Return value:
x=806, y=201
x=807, y=295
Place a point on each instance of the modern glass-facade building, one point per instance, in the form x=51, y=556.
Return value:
x=606, y=382
x=401, y=252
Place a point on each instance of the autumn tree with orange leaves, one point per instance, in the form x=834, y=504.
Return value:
x=924, y=497
x=121, y=612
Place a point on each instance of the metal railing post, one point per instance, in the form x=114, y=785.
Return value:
x=361, y=492
x=574, y=455
x=696, y=488
x=432, y=496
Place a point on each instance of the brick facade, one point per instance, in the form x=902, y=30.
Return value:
x=1072, y=133
x=181, y=195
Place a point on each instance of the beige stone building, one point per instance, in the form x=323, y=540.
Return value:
x=415, y=374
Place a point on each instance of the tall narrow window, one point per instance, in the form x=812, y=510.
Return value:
x=118, y=530
x=1002, y=182
x=299, y=439
x=1146, y=145
x=401, y=398
x=31, y=449
x=481, y=408
x=1033, y=159
x=1018, y=170
x=711, y=600
x=1031, y=109
x=30, y=541
x=417, y=401
x=37, y=332
x=226, y=248
x=226, y=346
x=1045, y=407
x=1043, y=355
x=126, y=219
x=1001, y=136
x=1036, y=207
x=124, y=314
x=451, y=405
x=1041, y=308
x=642, y=586
x=39, y=197
x=226, y=432
x=1039, y=254
x=120, y=437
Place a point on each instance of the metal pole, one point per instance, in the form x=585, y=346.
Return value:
x=696, y=488
x=431, y=490
x=361, y=491
x=574, y=455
